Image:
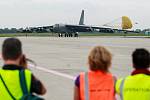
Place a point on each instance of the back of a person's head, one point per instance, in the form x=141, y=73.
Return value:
x=11, y=49
x=99, y=59
x=141, y=58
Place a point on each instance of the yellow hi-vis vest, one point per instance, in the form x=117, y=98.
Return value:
x=12, y=81
x=136, y=87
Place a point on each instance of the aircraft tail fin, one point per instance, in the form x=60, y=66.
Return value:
x=81, y=22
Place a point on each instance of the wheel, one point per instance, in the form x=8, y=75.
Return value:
x=75, y=35
x=61, y=35
x=69, y=34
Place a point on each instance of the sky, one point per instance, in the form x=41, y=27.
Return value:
x=30, y=13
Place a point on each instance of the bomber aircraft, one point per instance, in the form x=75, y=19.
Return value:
x=70, y=30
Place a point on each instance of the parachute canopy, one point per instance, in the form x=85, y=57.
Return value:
x=126, y=23
x=123, y=22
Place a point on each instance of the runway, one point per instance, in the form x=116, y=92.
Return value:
x=60, y=60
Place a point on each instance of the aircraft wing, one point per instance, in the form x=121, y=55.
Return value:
x=79, y=28
x=102, y=29
x=69, y=28
x=85, y=28
x=38, y=29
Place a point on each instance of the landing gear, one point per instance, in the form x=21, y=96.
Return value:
x=68, y=35
x=60, y=35
x=76, y=35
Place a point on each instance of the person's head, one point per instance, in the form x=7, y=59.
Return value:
x=141, y=58
x=11, y=49
x=99, y=59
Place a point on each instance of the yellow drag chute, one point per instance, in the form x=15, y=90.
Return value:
x=126, y=23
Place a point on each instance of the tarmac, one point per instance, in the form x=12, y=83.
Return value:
x=60, y=60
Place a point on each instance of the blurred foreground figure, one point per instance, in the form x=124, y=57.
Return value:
x=98, y=82
x=10, y=80
x=137, y=85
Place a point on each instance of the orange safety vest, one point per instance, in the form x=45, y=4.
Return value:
x=96, y=85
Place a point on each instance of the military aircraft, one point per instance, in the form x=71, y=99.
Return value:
x=69, y=30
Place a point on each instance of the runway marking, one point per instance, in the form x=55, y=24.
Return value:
x=52, y=72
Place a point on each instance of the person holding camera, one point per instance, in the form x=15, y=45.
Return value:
x=14, y=63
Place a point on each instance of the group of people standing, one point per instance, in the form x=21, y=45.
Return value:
x=99, y=84
x=96, y=84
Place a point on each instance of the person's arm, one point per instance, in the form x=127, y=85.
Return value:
x=115, y=80
x=23, y=61
x=77, y=88
x=37, y=86
x=76, y=93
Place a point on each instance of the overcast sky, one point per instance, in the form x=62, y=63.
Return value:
x=23, y=13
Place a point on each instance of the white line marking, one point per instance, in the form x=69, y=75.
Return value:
x=52, y=72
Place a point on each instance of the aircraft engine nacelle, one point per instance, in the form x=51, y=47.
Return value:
x=60, y=28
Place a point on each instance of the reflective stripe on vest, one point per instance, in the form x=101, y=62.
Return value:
x=121, y=89
x=86, y=86
x=136, y=87
x=12, y=81
x=100, y=86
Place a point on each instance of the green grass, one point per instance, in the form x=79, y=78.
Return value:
x=24, y=34
x=80, y=34
x=112, y=34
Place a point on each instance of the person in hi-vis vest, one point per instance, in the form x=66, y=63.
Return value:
x=14, y=62
x=137, y=85
x=98, y=82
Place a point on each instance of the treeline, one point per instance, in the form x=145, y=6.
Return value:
x=11, y=30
